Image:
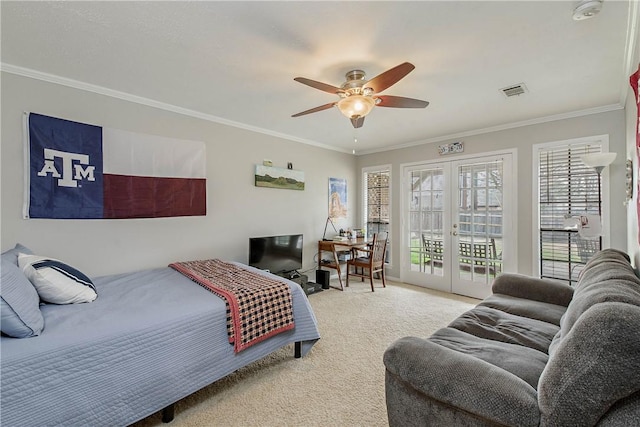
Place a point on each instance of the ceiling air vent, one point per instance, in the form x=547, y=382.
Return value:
x=514, y=90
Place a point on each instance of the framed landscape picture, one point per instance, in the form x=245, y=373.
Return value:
x=288, y=179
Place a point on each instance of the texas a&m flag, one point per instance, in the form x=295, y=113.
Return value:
x=76, y=170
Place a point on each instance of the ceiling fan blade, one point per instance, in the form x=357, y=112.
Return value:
x=389, y=77
x=315, y=110
x=318, y=85
x=357, y=121
x=400, y=102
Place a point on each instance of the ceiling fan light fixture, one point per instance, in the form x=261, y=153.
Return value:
x=356, y=105
x=358, y=96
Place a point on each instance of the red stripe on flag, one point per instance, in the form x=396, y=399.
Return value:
x=151, y=197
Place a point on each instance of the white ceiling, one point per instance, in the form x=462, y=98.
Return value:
x=234, y=62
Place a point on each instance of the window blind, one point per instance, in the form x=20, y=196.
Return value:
x=567, y=189
x=377, y=209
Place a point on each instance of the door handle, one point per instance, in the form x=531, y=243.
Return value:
x=455, y=233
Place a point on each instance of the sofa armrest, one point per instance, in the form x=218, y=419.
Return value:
x=520, y=286
x=462, y=382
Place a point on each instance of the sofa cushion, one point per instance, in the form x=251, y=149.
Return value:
x=19, y=303
x=532, y=288
x=523, y=362
x=422, y=388
x=544, y=311
x=602, y=262
x=593, y=367
x=625, y=412
x=608, y=277
x=489, y=323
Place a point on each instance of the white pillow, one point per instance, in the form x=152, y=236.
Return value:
x=55, y=281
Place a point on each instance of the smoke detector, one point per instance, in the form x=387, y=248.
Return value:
x=587, y=9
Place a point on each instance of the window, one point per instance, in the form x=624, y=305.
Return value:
x=377, y=201
x=568, y=191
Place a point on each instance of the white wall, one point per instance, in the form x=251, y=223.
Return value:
x=236, y=209
x=522, y=139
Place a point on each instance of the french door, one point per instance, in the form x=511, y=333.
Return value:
x=457, y=224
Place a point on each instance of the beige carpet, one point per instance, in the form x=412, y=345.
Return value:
x=341, y=381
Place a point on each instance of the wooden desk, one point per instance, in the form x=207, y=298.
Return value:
x=335, y=246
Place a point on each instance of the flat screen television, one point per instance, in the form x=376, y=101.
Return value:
x=278, y=254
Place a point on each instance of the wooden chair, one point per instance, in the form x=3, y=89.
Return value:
x=372, y=262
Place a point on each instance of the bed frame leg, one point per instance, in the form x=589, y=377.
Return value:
x=168, y=413
x=298, y=350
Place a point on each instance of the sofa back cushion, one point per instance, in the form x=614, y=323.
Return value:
x=607, y=277
x=594, y=366
x=604, y=264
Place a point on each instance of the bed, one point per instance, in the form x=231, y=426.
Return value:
x=151, y=338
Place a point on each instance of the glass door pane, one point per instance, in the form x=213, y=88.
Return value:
x=456, y=215
x=426, y=212
x=478, y=232
x=426, y=226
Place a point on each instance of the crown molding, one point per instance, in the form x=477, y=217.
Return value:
x=100, y=90
x=64, y=81
x=539, y=120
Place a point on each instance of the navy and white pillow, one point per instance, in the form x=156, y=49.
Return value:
x=55, y=281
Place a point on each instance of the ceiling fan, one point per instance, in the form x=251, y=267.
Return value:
x=358, y=96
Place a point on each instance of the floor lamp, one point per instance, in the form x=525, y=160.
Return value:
x=598, y=161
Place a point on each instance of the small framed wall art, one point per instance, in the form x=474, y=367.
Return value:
x=272, y=177
x=337, y=198
x=454, y=147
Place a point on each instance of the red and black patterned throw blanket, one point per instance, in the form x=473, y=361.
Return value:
x=258, y=307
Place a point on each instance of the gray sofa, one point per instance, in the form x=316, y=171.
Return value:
x=535, y=353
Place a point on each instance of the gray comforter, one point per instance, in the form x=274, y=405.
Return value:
x=149, y=339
